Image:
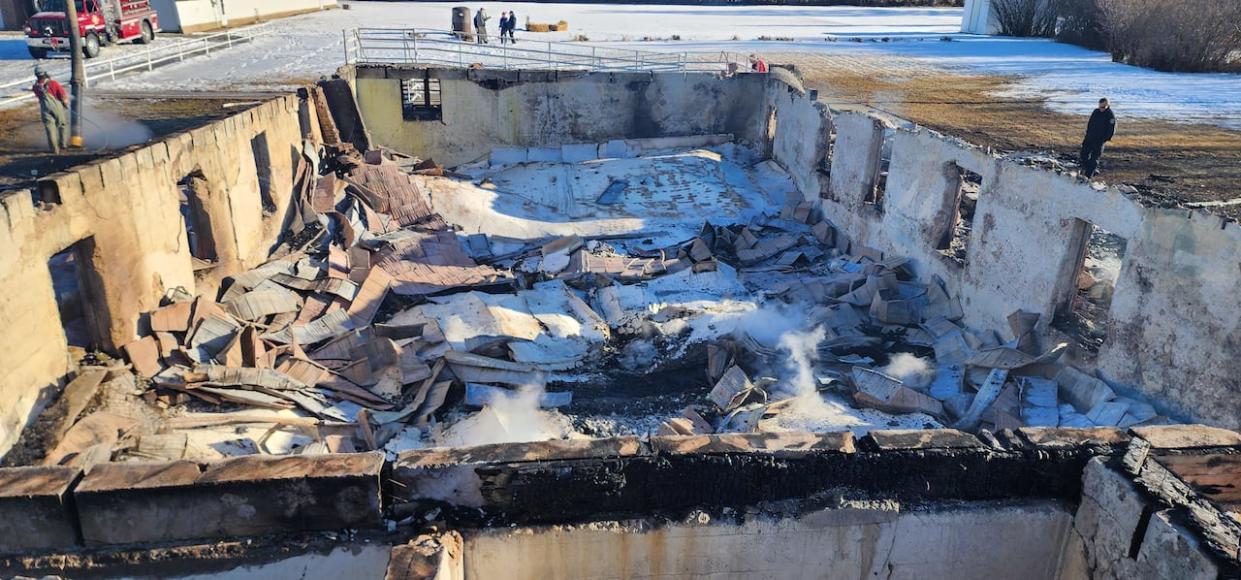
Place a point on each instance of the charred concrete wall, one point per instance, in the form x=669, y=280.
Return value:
x=124, y=213
x=483, y=109
x=1175, y=318
x=1031, y=503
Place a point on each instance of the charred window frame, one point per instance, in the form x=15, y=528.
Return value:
x=421, y=98
x=965, y=187
x=878, y=187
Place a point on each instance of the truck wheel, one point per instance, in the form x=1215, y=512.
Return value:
x=37, y=52
x=148, y=33
x=90, y=46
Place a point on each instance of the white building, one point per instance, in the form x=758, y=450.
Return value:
x=978, y=18
x=199, y=15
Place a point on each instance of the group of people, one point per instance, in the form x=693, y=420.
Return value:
x=508, y=24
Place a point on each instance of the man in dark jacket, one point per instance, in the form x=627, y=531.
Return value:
x=512, y=26
x=1099, y=131
x=480, y=26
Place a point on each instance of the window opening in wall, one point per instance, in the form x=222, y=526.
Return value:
x=1084, y=314
x=421, y=98
x=883, y=162
x=47, y=193
x=197, y=221
x=955, y=240
x=76, y=285
x=262, y=168
x=825, y=164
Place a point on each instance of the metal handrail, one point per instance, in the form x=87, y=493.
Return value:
x=146, y=59
x=442, y=47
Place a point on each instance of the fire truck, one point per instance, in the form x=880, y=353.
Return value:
x=100, y=22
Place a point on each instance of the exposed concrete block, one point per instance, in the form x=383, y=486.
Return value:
x=1109, y=513
x=1187, y=436
x=508, y=156
x=544, y=154
x=137, y=502
x=1169, y=552
x=618, y=149
x=779, y=444
x=34, y=514
x=1054, y=438
x=577, y=153
x=893, y=440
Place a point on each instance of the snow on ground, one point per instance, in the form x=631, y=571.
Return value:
x=531, y=201
x=1071, y=78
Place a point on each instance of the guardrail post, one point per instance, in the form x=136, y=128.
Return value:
x=416, y=45
x=150, y=67
x=344, y=43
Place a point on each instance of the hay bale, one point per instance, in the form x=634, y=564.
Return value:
x=535, y=27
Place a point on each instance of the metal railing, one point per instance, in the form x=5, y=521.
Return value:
x=455, y=49
x=147, y=59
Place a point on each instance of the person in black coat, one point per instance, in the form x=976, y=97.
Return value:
x=1099, y=131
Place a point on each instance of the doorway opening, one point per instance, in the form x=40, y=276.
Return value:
x=954, y=242
x=78, y=290
x=1084, y=312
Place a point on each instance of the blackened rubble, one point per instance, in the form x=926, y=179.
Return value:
x=378, y=325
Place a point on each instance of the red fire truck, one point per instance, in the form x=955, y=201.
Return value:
x=100, y=22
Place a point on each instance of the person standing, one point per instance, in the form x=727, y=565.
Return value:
x=480, y=26
x=504, y=28
x=757, y=64
x=512, y=27
x=53, y=109
x=1099, y=131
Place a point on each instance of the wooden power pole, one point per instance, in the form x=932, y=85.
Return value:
x=78, y=81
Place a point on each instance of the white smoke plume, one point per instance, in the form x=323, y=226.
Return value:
x=511, y=417
x=803, y=351
x=915, y=372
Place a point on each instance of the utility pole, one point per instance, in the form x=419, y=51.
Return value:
x=78, y=81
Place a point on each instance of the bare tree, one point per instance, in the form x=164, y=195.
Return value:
x=1174, y=35
x=1025, y=17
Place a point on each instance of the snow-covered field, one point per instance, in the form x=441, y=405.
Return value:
x=1070, y=78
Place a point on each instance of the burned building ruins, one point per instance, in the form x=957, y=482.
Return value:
x=476, y=322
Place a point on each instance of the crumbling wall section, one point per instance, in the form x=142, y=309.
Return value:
x=1176, y=314
x=483, y=109
x=1175, y=318
x=129, y=206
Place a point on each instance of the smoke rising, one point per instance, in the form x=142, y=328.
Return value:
x=915, y=372
x=511, y=417
x=803, y=351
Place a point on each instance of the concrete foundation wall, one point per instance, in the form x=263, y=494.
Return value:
x=129, y=207
x=1175, y=317
x=983, y=542
x=484, y=109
